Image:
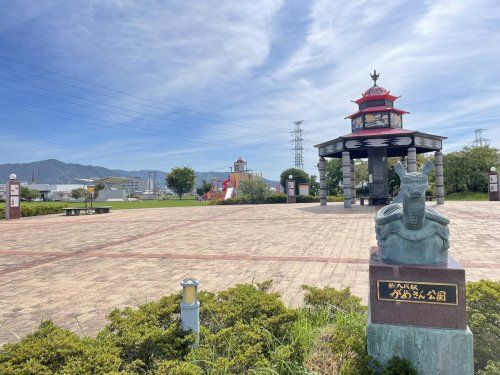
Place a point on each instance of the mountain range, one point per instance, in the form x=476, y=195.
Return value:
x=57, y=172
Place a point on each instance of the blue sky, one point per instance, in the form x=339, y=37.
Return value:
x=158, y=84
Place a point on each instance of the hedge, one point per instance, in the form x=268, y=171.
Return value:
x=36, y=210
x=276, y=198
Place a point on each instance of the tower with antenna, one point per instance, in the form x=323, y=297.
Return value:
x=479, y=140
x=298, y=144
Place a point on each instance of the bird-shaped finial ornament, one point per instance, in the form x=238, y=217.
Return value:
x=374, y=76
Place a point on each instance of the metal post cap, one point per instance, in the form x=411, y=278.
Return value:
x=190, y=281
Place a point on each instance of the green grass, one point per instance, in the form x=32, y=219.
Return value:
x=467, y=196
x=131, y=204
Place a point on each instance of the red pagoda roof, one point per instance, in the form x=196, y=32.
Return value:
x=377, y=109
x=377, y=132
x=364, y=98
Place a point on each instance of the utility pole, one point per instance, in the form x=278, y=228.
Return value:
x=479, y=141
x=297, y=144
x=155, y=187
x=149, y=184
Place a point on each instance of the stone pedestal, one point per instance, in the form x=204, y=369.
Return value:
x=431, y=351
x=418, y=312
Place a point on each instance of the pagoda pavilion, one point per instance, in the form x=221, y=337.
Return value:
x=376, y=134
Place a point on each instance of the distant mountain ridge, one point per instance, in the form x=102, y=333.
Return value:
x=57, y=172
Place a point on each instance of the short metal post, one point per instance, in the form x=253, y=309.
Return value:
x=190, y=308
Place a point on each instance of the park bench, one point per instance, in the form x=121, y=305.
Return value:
x=72, y=211
x=362, y=200
x=102, y=209
x=75, y=211
x=430, y=198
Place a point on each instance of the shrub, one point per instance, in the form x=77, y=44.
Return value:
x=36, y=210
x=331, y=298
x=307, y=198
x=255, y=190
x=52, y=350
x=270, y=199
x=178, y=368
x=240, y=326
x=341, y=347
x=149, y=333
x=483, y=318
x=492, y=368
x=398, y=366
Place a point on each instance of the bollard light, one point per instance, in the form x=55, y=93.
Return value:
x=190, y=308
x=189, y=290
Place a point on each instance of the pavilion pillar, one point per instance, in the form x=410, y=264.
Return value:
x=346, y=171
x=353, y=183
x=438, y=162
x=322, y=181
x=404, y=162
x=412, y=159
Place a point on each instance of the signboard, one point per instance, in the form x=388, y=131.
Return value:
x=290, y=191
x=303, y=189
x=493, y=187
x=14, y=189
x=14, y=201
x=417, y=292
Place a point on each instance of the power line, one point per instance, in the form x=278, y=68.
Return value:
x=114, y=123
x=122, y=93
x=152, y=117
x=297, y=144
x=479, y=140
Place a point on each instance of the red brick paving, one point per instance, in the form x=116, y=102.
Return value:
x=67, y=268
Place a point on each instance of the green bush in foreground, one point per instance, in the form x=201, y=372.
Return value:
x=483, y=318
x=35, y=210
x=245, y=330
x=52, y=350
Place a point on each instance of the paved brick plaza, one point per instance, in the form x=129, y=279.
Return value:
x=75, y=270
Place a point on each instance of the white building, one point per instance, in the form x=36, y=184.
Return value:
x=55, y=192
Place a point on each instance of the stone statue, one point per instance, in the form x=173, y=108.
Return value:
x=409, y=232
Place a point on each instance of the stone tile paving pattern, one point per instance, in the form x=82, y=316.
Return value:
x=75, y=270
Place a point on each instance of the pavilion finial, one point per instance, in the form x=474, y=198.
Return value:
x=374, y=76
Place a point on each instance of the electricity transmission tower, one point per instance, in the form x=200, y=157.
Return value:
x=297, y=144
x=480, y=141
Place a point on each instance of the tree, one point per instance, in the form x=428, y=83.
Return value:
x=361, y=175
x=334, y=176
x=256, y=190
x=299, y=176
x=78, y=193
x=29, y=194
x=467, y=169
x=181, y=180
x=205, y=187
x=314, y=185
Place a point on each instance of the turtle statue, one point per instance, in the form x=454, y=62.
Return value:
x=409, y=232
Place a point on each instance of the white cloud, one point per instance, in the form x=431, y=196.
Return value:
x=442, y=56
